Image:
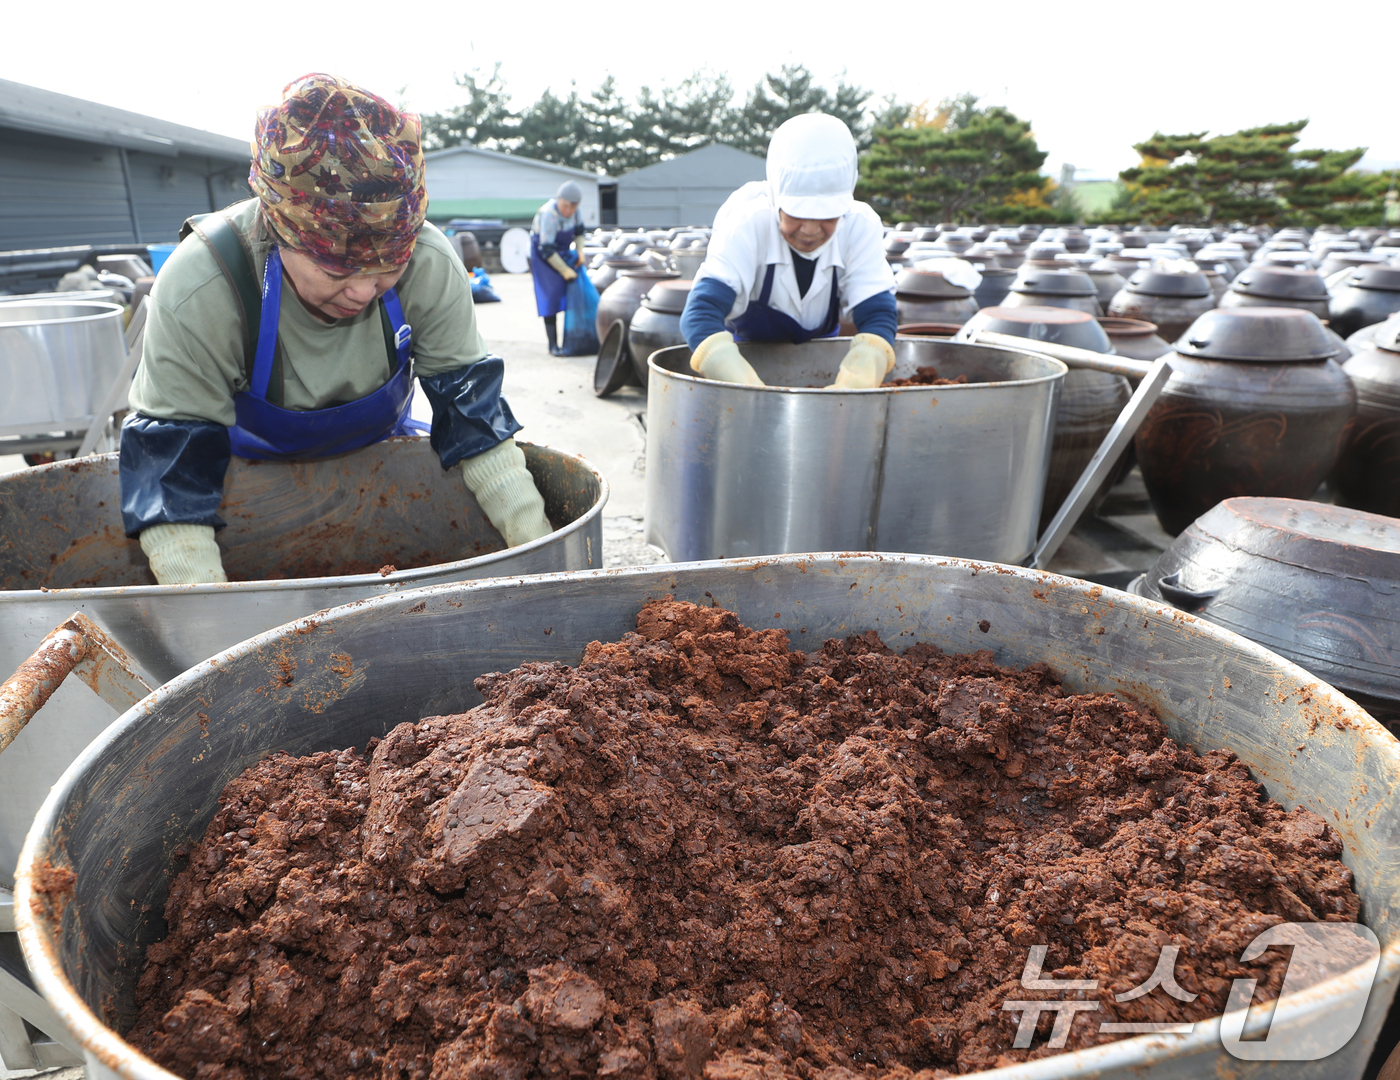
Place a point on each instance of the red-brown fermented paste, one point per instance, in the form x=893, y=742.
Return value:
x=701, y=854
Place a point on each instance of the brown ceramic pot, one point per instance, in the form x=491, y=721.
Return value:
x=924, y=296
x=1134, y=338
x=1271, y=285
x=1369, y=294
x=622, y=298
x=923, y=309
x=1035, y=287
x=928, y=329
x=656, y=324
x=469, y=249
x=1171, y=299
x=1367, y=476
x=1107, y=281
x=1255, y=406
x=1090, y=401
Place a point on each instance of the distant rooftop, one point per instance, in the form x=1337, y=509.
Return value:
x=520, y=159
x=715, y=163
x=27, y=108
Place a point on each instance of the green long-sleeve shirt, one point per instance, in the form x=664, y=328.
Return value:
x=192, y=359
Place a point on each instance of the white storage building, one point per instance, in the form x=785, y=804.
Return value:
x=467, y=182
x=685, y=190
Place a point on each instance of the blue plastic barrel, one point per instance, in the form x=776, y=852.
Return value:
x=159, y=253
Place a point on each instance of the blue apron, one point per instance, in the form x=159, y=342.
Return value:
x=264, y=431
x=550, y=285
x=759, y=322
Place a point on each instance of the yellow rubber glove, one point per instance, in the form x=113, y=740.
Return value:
x=866, y=364
x=506, y=492
x=718, y=358
x=567, y=272
x=183, y=554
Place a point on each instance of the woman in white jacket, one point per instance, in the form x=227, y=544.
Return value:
x=789, y=257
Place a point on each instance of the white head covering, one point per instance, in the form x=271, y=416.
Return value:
x=812, y=167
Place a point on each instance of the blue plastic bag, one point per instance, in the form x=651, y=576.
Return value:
x=482, y=293
x=580, y=317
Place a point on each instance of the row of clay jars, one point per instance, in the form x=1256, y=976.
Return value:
x=1255, y=406
x=1367, y=475
x=1090, y=401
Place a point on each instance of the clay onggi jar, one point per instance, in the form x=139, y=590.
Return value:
x=621, y=299
x=926, y=296
x=656, y=324
x=1255, y=406
x=1171, y=299
x=1134, y=338
x=1367, y=476
x=1090, y=401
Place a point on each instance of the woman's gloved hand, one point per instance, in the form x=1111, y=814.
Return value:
x=506, y=492
x=718, y=358
x=866, y=364
x=183, y=554
x=567, y=272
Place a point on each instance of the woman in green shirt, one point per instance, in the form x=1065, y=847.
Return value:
x=234, y=363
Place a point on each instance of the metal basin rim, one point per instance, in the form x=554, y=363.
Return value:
x=109, y=1048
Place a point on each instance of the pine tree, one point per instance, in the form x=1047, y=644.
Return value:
x=551, y=129
x=681, y=118
x=481, y=121
x=962, y=164
x=792, y=92
x=1252, y=176
x=607, y=143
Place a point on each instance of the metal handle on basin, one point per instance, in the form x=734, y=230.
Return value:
x=1076, y=358
x=1190, y=600
x=1154, y=380
x=80, y=645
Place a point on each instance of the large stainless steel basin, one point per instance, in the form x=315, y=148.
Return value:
x=151, y=782
x=944, y=470
x=57, y=359
x=62, y=550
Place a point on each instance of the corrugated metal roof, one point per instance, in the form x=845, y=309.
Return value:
x=30, y=109
x=710, y=166
x=518, y=158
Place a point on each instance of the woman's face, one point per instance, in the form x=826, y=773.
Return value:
x=330, y=295
x=806, y=234
x=566, y=208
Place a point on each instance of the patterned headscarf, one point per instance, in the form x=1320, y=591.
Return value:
x=340, y=174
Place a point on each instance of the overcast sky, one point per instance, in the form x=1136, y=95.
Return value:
x=1092, y=76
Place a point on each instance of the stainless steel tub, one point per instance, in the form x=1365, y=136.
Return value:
x=57, y=360
x=391, y=503
x=151, y=781
x=947, y=470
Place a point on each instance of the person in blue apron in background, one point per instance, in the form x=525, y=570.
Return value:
x=557, y=224
x=292, y=325
x=789, y=257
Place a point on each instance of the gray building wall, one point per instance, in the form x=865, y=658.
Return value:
x=685, y=190
x=463, y=174
x=56, y=192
